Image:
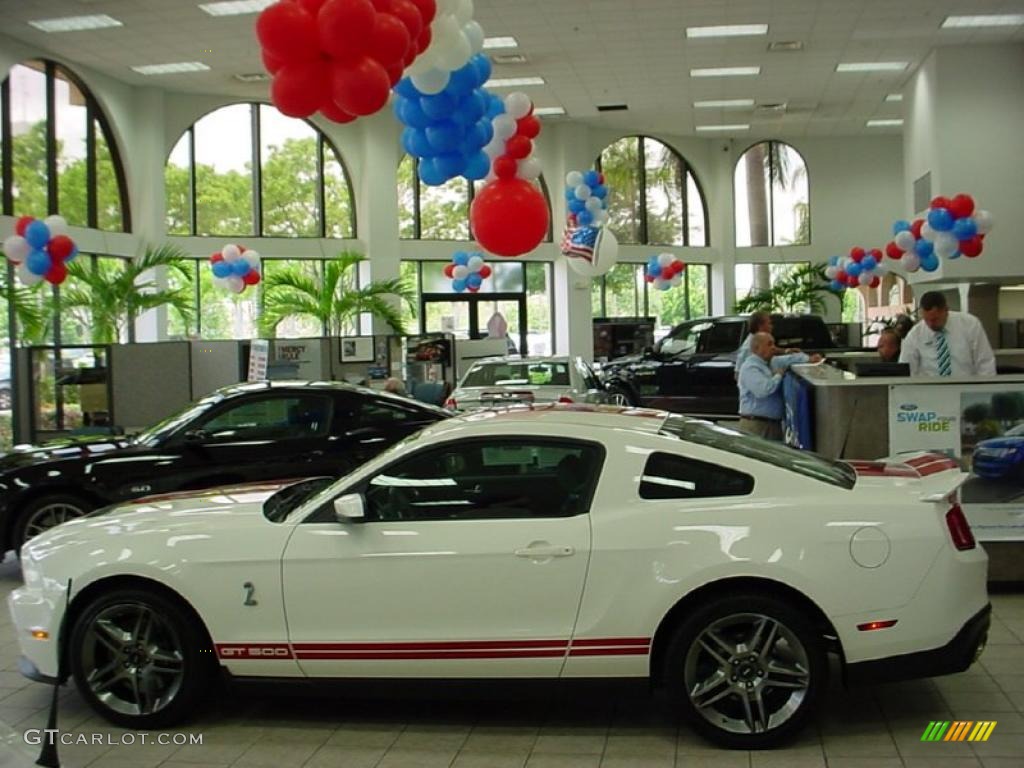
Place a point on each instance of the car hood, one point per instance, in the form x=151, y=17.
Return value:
x=999, y=443
x=70, y=448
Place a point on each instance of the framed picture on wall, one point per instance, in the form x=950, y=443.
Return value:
x=357, y=349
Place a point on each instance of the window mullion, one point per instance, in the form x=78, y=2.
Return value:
x=642, y=158
x=193, y=206
x=52, y=202
x=257, y=170
x=7, y=157
x=417, y=226
x=771, y=194
x=321, y=200
x=91, y=202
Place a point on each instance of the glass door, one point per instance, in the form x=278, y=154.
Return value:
x=467, y=317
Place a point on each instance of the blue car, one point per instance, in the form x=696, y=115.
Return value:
x=1001, y=457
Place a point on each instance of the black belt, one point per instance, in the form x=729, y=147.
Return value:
x=761, y=418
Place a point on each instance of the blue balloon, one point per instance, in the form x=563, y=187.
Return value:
x=577, y=205
x=837, y=286
x=460, y=258
x=854, y=269
x=458, y=286
x=570, y=194
x=956, y=255
x=495, y=107
x=902, y=225
x=463, y=81
x=653, y=262
x=445, y=136
x=480, y=135
x=474, y=280
x=940, y=219
x=37, y=234
x=241, y=268
x=74, y=253
x=438, y=107
x=654, y=270
x=413, y=115
x=477, y=167
x=965, y=229
x=476, y=106
x=483, y=68
x=924, y=248
x=584, y=218
x=833, y=261
x=222, y=269
x=38, y=262
x=429, y=174
x=930, y=262
x=450, y=164
x=599, y=191
x=416, y=143
x=868, y=263
x=591, y=178
x=406, y=88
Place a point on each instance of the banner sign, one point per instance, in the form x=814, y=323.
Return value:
x=259, y=356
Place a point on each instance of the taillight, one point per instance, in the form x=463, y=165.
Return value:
x=959, y=528
x=451, y=404
x=565, y=399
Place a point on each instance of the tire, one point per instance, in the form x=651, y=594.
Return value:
x=732, y=681
x=140, y=660
x=46, y=512
x=621, y=396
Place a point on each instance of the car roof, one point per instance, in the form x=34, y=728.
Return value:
x=521, y=359
x=571, y=416
x=235, y=390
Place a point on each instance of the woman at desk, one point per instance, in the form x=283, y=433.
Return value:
x=947, y=343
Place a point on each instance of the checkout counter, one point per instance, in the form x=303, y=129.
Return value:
x=844, y=416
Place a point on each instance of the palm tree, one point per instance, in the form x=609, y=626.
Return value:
x=803, y=289
x=111, y=296
x=33, y=309
x=336, y=300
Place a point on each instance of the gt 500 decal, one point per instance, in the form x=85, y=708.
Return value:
x=255, y=651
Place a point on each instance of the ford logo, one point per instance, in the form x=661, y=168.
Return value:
x=908, y=407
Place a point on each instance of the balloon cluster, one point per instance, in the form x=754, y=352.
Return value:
x=40, y=249
x=509, y=215
x=665, y=271
x=454, y=38
x=952, y=228
x=861, y=267
x=341, y=57
x=448, y=131
x=235, y=268
x=587, y=197
x=467, y=271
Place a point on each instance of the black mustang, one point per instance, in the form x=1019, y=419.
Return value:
x=239, y=434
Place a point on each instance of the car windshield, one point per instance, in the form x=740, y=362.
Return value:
x=1017, y=431
x=161, y=431
x=518, y=374
x=277, y=508
x=802, y=462
x=683, y=340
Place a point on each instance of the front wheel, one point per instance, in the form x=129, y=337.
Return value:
x=746, y=671
x=620, y=396
x=139, y=659
x=45, y=513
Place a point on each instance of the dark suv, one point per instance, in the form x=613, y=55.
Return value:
x=691, y=369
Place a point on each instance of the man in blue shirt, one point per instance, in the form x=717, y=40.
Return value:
x=760, y=383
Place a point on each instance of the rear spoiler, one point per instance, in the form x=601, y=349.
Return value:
x=939, y=475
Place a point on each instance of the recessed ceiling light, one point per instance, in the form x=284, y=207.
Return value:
x=75, y=23
x=508, y=58
x=236, y=7
x=171, y=69
x=872, y=66
x=252, y=77
x=728, y=30
x=725, y=71
x=548, y=111
x=490, y=43
x=785, y=46
x=723, y=103
x=512, y=82
x=987, y=20
x=735, y=127
x=884, y=123
x=894, y=97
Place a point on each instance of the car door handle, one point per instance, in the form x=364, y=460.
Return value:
x=546, y=551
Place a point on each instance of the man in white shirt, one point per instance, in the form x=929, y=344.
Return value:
x=946, y=343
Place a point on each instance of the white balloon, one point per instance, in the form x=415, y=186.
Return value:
x=28, y=278
x=504, y=127
x=583, y=192
x=494, y=148
x=461, y=272
x=831, y=272
x=454, y=52
x=230, y=252
x=447, y=7
x=881, y=268
x=664, y=259
x=600, y=218
x=573, y=179
x=905, y=240
x=57, y=225
x=865, y=278
x=518, y=105
x=16, y=248
x=431, y=82
x=475, y=263
x=984, y=220
x=529, y=169
x=475, y=34
x=945, y=244
x=252, y=259
x=236, y=284
x=911, y=262
x=594, y=204
x=927, y=233
x=606, y=254
x=464, y=11
x=677, y=280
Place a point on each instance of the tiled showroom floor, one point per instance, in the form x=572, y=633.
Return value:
x=870, y=728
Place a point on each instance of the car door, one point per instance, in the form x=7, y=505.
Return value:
x=470, y=563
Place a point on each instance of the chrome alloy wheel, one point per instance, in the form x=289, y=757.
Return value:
x=747, y=673
x=133, y=659
x=50, y=516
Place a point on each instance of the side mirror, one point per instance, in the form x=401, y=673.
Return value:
x=350, y=508
x=196, y=436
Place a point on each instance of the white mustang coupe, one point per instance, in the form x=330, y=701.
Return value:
x=555, y=542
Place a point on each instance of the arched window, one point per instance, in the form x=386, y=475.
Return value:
x=246, y=169
x=772, y=202
x=439, y=213
x=58, y=153
x=654, y=197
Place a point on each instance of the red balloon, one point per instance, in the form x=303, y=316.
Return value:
x=395, y=72
x=509, y=217
x=648, y=278
x=961, y=206
x=600, y=178
x=528, y=126
x=313, y=6
x=857, y=254
x=22, y=224
x=361, y=88
x=423, y=41
x=852, y=281
x=472, y=289
x=252, y=277
x=877, y=253
x=346, y=27
x=57, y=273
x=875, y=282
x=505, y=167
x=427, y=9
x=242, y=249
x=915, y=228
x=941, y=202
x=519, y=147
x=299, y=88
x=972, y=247
x=485, y=271
x=893, y=251
x=390, y=41
x=334, y=113
x=449, y=269
x=271, y=62
x=288, y=32
x=409, y=16
x=841, y=276
x=60, y=247
x=218, y=256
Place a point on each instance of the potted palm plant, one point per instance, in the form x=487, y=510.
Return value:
x=802, y=290
x=335, y=301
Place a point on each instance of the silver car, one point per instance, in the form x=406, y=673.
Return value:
x=498, y=381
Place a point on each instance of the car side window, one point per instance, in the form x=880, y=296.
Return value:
x=488, y=479
x=721, y=337
x=380, y=413
x=270, y=418
x=668, y=476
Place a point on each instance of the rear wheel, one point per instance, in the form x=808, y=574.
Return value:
x=620, y=396
x=746, y=671
x=45, y=513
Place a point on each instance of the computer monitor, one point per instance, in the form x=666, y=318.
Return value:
x=881, y=369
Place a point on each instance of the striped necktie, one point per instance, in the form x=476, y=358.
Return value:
x=942, y=354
